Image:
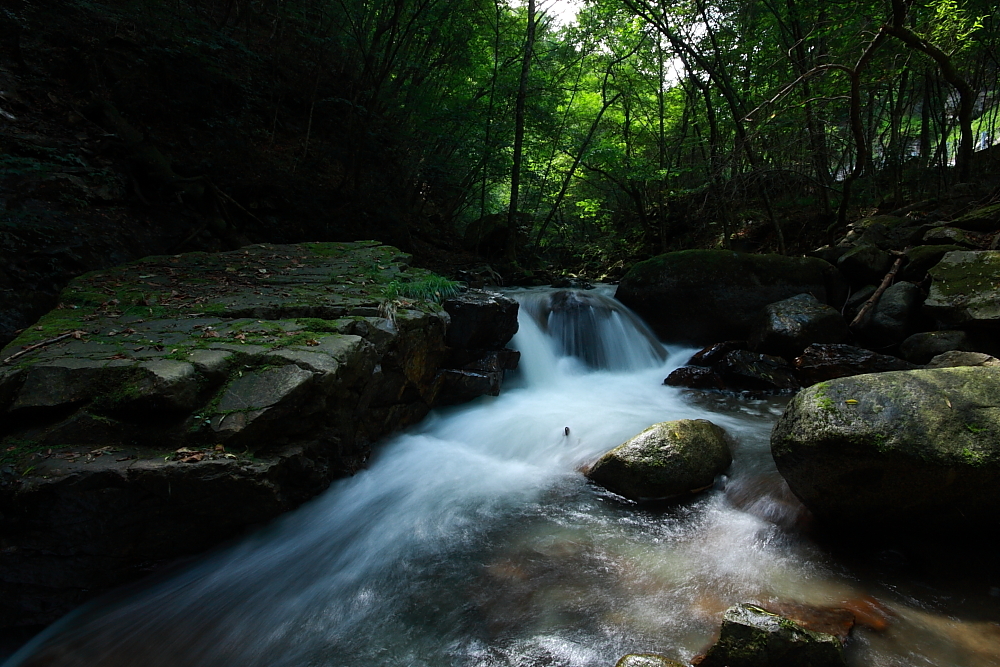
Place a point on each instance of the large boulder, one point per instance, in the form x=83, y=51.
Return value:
x=755, y=637
x=899, y=448
x=787, y=327
x=965, y=291
x=710, y=295
x=919, y=259
x=666, y=460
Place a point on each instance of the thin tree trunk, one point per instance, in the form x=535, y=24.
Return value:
x=515, y=176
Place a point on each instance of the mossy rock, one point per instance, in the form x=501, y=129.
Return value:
x=755, y=637
x=667, y=460
x=919, y=259
x=984, y=219
x=705, y=296
x=896, y=448
x=966, y=289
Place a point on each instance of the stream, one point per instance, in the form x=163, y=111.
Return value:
x=473, y=540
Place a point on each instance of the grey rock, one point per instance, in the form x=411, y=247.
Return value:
x=259, y=390
x=787, y=327
x=174, y=385
x=213, y=364
x=668, y=459
x=62, y=382
x=754, y=637
x=955, y=358
x=480, y=320
x=893, y=449
x=948, y=236
x=895, y=316
x=921, y=347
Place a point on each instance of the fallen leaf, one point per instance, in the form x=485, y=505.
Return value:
x=194, y=458
x=312, y=343
x=210, y=334
x=851, y=401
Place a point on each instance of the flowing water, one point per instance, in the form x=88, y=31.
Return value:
x=473, y=540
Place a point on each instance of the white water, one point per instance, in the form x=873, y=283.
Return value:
x=473, y=540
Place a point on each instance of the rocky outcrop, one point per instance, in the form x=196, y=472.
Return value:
x=895, y=449
x=666, y=460
x=174, y=402
x=711, y=295
x=755, y=637
x=787, y=327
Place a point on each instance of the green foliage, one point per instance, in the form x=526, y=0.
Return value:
x=430, y=288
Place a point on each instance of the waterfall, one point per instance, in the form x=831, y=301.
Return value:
x=474, y=540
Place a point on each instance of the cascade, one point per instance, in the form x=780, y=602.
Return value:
x=473, y=539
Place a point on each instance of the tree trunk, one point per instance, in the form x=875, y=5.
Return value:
x=510, y=252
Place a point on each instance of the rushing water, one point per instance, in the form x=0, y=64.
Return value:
x=473, y=540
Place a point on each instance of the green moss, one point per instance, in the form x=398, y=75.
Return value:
x=963, y=278
x=13, y=450
x=317, y=324
x=975, y=428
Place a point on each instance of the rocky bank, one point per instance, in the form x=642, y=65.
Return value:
x=173, y=403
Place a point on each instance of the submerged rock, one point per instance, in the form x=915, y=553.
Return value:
x=706, y=295
x=666, y=460
x=754, y=637
x=895, y=449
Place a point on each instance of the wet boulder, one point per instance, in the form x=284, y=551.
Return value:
x=828, y=361
x=895, y=449
x=754, y=637
x=695, y=377
x=711, y=295
x=743, y=370
x=730, y=366
x=921, y=347
x=895, y=316
x=964, y=290
x=480, y=320
x=716, y=352
x=667, y=460
x=786, y=327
